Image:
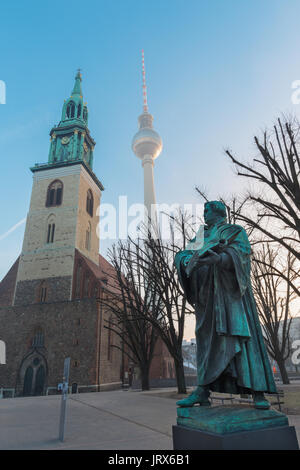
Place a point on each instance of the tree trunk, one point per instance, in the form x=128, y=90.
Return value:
x=145, y=377
x=179, y=369
x=283, y=372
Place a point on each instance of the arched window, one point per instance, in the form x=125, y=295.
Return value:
x=79, y=111
x=34, y=372
x=50, y=233
x=88, y=238
x=54, y=194
x=42, y=292
x=50, y=229
x=71, y=109
x=89, y=203
x=38, y=339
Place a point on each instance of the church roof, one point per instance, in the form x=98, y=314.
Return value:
x=104, y=272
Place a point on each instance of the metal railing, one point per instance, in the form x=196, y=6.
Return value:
x=3, y=392
x=275, y=399
x=72, y=389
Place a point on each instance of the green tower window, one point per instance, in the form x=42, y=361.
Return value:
x=71, y=110
x=54, y=194
x=79, y=111
x=85, y=115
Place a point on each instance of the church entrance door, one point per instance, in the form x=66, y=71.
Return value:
x=40, y=381
x=33, y=374
x=28, y=381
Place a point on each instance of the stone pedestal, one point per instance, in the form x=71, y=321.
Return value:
x=232, y=427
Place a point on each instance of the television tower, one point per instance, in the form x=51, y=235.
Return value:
x=147, y=145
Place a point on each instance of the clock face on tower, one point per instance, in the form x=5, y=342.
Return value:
x=65, y=140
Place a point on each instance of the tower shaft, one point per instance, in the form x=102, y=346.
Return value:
x=62, y=218
x=149, y=190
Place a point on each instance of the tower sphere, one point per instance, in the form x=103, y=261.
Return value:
x=146, y=141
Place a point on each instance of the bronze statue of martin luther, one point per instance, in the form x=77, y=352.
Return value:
x=231, y=354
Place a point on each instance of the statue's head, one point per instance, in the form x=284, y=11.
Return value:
x=214, y=211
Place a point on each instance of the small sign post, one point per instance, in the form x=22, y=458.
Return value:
x=64, y=388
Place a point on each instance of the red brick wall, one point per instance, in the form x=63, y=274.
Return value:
x=70, y=330
x=162, y=365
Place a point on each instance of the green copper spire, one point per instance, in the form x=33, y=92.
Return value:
x=71, y=140
x=74, y=108
x=77, y=86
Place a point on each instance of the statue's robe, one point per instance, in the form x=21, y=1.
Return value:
x=231, y=354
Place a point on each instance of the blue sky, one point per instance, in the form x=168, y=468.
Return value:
x=218, y=72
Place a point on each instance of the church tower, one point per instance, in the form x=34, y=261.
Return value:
x=62, y=217
x=54, y=301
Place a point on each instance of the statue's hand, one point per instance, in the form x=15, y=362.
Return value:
x=212, y=258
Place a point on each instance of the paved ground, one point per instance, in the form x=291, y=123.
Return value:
x=106, y=420
x=115, y=420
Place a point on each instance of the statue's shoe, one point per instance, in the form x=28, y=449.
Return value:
x=197, y=396
x=260, y=401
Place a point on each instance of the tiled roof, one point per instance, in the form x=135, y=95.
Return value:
x=104, y=272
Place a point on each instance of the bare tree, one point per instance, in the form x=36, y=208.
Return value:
x=156, y=260
x=234, y=206
x=274, y=295
x=237, y=212
x=276, y=171
x=270, y=213
x=129, y=300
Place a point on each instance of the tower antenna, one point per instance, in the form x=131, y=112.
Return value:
x=144, y=84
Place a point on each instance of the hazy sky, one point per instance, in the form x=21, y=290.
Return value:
x=218, y=72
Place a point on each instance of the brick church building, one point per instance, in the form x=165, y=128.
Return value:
x=51, y=300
